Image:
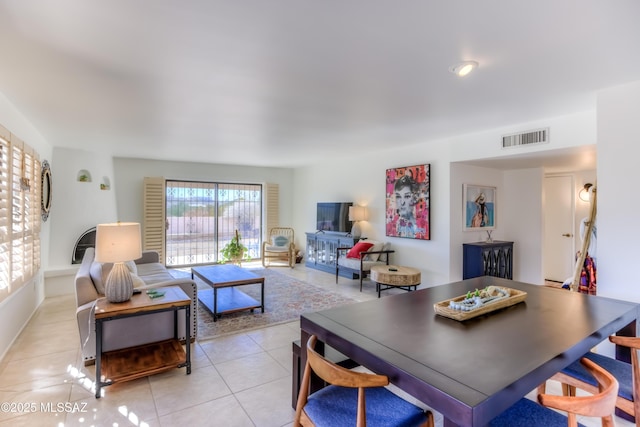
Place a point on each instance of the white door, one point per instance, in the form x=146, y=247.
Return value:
x=559, y=217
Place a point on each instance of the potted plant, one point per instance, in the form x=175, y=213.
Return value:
x=234, y=251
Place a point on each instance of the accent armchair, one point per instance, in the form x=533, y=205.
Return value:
x=360, y=258
x=279, y=247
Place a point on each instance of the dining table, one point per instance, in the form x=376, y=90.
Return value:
x=470, y=370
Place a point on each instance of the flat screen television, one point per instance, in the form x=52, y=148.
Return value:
x=333, y=217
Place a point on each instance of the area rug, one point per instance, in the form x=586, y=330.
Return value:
x=285, y=298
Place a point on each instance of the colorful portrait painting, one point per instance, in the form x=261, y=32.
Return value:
x=407, y=202
x=479, y=207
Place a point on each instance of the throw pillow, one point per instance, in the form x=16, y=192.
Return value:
x=354, y=252
x=280, y=241
x=99, y=272
x=137, y=281
x=377, y=246
x=131, y=265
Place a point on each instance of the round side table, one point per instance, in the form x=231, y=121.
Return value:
x=395, y=276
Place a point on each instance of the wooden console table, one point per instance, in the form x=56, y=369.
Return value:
x=147, y=359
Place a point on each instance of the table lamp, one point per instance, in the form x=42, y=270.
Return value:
x=118, y=243
x=356, y=214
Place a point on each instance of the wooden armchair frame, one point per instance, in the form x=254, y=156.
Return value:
x=339, y=376
x=286, y=257
x=571, y=383
x=601, y=404
x=363, y=272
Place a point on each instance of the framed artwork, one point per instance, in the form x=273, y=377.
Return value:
x=407, y=202
x=479, y=207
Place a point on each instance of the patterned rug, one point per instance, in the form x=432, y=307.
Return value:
x=285, y=298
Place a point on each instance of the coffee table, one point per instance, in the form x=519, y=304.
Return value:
x=395, y=276
x=223, y=297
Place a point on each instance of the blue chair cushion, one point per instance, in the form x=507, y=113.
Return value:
x=619, y=369
x=335, y=406
x=527, y=413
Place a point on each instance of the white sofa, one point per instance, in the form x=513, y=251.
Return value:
x=355, y=261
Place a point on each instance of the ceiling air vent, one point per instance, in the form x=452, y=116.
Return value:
x=538, y=136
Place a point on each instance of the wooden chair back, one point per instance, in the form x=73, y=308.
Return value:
x=282, y=231
x=338, y=376
x=602, y=404
x=633, y=343
x=631, y=407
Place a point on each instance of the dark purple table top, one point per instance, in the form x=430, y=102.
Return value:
x=472, y=370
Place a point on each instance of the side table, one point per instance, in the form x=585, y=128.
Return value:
x=395, y=276
x=135, y=362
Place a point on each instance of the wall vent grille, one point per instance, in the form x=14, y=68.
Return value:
x=538, y=136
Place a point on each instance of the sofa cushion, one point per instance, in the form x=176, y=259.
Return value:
x=354, y=264
x=153, y=273
x=354, y=252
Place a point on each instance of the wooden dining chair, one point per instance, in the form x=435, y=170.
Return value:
x=526, y=413
x=628, y=376
x=353, y=398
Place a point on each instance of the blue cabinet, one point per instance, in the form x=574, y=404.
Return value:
x=487, y=259
x=322, y=249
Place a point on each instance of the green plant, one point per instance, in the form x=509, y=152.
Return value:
x=234, y=251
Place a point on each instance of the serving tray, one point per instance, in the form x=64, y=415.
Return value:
x=442, y=308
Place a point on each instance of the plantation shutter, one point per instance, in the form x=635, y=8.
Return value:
x=5, y=240
x=154, y=222
x=17, y=214
x=272, y=207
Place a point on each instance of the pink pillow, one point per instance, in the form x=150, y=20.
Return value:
x=354, y=252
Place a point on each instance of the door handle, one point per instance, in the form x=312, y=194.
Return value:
x=567, y=235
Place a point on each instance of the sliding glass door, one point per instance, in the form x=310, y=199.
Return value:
x=202, y=217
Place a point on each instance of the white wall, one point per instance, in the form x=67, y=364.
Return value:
x=618, y=203
x=523, y=222
x=78, y=206
x=16, y=310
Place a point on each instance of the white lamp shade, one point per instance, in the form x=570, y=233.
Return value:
x=118, y=242
x=357, y=213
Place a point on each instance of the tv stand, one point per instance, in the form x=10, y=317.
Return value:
x=322, y=248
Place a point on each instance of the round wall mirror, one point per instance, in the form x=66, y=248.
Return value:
x=45, y=197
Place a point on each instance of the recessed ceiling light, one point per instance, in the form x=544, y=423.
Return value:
x=463, y=68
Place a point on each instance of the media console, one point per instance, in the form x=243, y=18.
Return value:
x=322, y=249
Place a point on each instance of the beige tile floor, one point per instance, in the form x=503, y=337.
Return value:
x=237, y=380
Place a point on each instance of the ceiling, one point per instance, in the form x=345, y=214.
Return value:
x=289, y=82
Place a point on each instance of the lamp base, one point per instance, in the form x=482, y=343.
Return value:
x=356, y=232
x=119, y=285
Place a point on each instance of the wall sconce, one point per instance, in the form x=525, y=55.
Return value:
x=584, y=193
x=356, y=214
